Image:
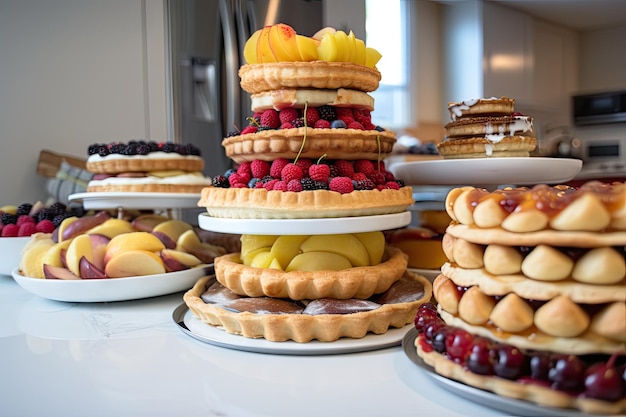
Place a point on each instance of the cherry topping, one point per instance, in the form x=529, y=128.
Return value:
x=567, y=373
x=458, y=344
x=480, y=359
x=510, y=362
x=603, y=381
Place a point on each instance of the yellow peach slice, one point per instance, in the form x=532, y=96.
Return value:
x=286, y=247
x=359, y=50
x=253, y=242
x=262, y=260
x=318, y=261
x=372, y=56
x=173, y=228
x=345, y=48
x=147, y=222
x=323, y=31
x=263, y=51
x=327, y=50
x=112, y=228
x=283, y=41
x=53, y=256
x=175, y=260
x=133, y=263
x=307, y=48
x=78, y=248
x=248, y=257
x=31, y=264
x=249, y=49
x=374, y=242
x=345, y=245
x=132, y=241
x=190, y=242
x=64, y=225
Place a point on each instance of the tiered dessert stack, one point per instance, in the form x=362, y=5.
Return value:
x=531, y=304
x=310, y=151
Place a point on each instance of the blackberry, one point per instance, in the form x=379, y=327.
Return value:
x=24, y=209
x=143, y=149
x=401, y=183
x=363, y=185
x=58, y=207
x=262, y=128
x=320, y=185
x=93, y=149
x=327, y=113
x=169, y=147
x=103, y=151
x=45, y=214
x=334, y=171
x=307, y=184
x=299, y=122
x=153, y=146
x=266, y=179
x=220, y=181
x=78, y=211
x=117, y=148
x=232, y=133
x=379, y=129
x=8, y=218
x=58, y=219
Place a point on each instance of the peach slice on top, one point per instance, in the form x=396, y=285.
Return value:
x=263, y=51
x=282, y=40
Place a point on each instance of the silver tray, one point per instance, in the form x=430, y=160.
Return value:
x=510, y=406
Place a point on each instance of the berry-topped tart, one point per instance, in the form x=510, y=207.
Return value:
x=145, y=166
x=532, y=301
x=310, y=152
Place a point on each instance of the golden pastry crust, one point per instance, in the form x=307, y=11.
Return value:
x=303, y=328
x=482, y=106
x=529, y=392
x=594, y=207
x=490, y=125
x=351, y=144
x=480, y=147
x=256, y=78
x=147, y=188
x=298, y=98
x=258, y=203
x=138, y=164
x=360, y=282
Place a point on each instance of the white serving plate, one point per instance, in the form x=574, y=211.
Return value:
x=112, y=289
x=430, y=274
x=11, y=253
x=143, y=201
x=206, y=333
x=321, y=226
x=488, y=171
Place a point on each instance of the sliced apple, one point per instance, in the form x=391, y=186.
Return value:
x=248, y=257
x=112, y=228
x=90, y=271
x=249, y=49
x=30, y=264
x=133, y=263
x=263, y=51
x=56, y=272
x=132, y=241
x=318, y=261
x=253, y=242
x=374, y=242
x=345, y=245
x=173, y=228
x=80, y=247
x=307, y=48
x=262, y=260
x=287, y=247
x=147, y=222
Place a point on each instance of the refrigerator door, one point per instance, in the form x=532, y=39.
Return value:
x=205, y=50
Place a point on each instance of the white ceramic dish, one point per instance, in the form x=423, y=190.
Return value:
x=10, y=253
x=507, y=405
x=144, y=201
x=488, y=171
x=431, y=274
x=114, y=289
x=305, y=226
x=194, y=327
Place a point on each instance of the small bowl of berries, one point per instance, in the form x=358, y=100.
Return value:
x=19, y=223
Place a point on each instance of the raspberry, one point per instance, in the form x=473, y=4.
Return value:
x=259, y=168
x=322, y=124
x=26, y=229
x=291, y=172
x=304, y=164
x=244, y=169
x=377, y=178
x=269, y=185
x=249, y=129
x=365, y=184
x=288, y=115
x=270, y=118
x=24, y=218
x=392, y=185
x=343, y=112
x=359, y=176
x=10, y=230
x=347, y=120
x=277, y=166
x=327, y=113
x=259, y=184
x=344, y=168
x=355, y=125
x=45, y=226
x=342, y=185
x=389, y=176
x=319, y=172
x=311, y=116
x=280, y=186
x=286, y=125
x=237, y=178
x=364, y=166
x=240, y=185
x=362, y=116
x=294, y=185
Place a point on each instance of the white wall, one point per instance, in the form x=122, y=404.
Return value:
x=75, y=72
x=603, y=60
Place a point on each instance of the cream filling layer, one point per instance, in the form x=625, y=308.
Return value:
x=297, y=98
x=151, y=155
x=194, y=178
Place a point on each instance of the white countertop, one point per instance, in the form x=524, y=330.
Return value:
x=130, y=359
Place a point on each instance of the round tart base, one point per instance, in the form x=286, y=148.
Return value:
x=136, y=163
x=351, y=144
x=483, y=106
x=359, y=282
x=258, y=203
x=147, y=188
x=530, y=392
x=509, y=146
x=256, y=78
x=303, y=328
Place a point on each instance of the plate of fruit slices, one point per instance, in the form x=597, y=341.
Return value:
x=140, y=201
x=323, y=226
x=112, y=289
x=196, y=328
x=510, y=406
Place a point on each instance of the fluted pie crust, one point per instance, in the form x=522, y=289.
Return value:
x=359, y=282
x=303, y=328
x=256, y=78
x=351, y=144
x=138, y=164
x=258, y=203
x=530, y=392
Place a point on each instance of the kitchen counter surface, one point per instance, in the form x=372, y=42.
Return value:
x=130, y=359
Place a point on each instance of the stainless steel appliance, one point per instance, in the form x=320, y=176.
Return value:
x=205, y=41
x=600, y=108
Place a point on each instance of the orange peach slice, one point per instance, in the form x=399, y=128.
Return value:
x=307, y=48
x=372, y=56
x=249, y=49
x=177, y=260
x=172, y=228
x=133, y=263
x=112, y=228
x=282, y=40
x=147, y=222
x=264, y=53
x=130, y=242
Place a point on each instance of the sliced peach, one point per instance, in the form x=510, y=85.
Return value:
x=285, y=36
x=323, y=31
x=133, y=263
x=175, y=260
x=53, y=255
x=190, y=242
x=56, y=272
x=345, y=48
x=263, y=51
x=173, y=228
x=372, y=56
x=61, y=229
x=79, y=247
x=318, y=261
x=82, y=225
x=30, y=264
x=359, y=50
x=307, y=48
x=112, y=228
x=327, y=49
x=98, y=247
x=249, y=49
x=90, y=271
x=146, y=222
x=130, y=242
